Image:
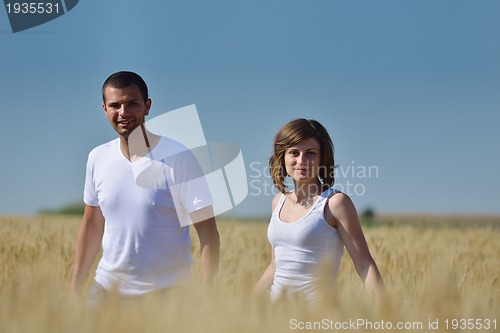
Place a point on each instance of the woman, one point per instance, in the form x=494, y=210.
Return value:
x=311, y=224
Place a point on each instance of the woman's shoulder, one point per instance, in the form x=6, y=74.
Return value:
x=276, y=200
x=339, y=205
x=336, y=197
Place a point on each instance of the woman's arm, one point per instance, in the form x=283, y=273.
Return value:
x=342, y=214
x=266, y=280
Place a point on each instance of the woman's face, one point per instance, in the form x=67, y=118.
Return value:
x=302, y=161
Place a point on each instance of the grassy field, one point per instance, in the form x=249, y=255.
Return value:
x=439, y=273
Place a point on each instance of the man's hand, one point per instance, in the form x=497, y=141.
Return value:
x=209, y=245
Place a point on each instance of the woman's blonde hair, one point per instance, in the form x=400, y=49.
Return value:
x=291, y=134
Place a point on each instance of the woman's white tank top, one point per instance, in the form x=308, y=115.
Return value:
x=302, y=247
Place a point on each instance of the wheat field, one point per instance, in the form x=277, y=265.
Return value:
x=439, y=277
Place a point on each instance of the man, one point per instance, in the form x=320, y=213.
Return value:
x=142, y=226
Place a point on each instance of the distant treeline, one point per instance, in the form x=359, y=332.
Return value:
x=70, y=209
x=367, y=216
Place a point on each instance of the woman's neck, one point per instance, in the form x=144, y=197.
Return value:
x=304, y=193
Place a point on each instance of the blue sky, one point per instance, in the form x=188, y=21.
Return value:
x=410, y=88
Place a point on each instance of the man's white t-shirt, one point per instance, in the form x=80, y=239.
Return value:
x=146, y=244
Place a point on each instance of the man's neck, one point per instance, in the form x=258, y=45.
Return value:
x=138, y=144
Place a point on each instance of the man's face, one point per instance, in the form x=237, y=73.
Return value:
x=125, y=108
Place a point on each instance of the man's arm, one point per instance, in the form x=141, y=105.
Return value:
x=209, y=244
x=88, y=244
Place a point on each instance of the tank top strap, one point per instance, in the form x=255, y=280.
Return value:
x=280, y=204
x=324, y=197
x=319, y=205
x=331, y=191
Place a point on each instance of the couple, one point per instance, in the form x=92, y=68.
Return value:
x=145, y=241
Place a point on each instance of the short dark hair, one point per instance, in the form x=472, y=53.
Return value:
x=125, y=79
x=291, y=134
